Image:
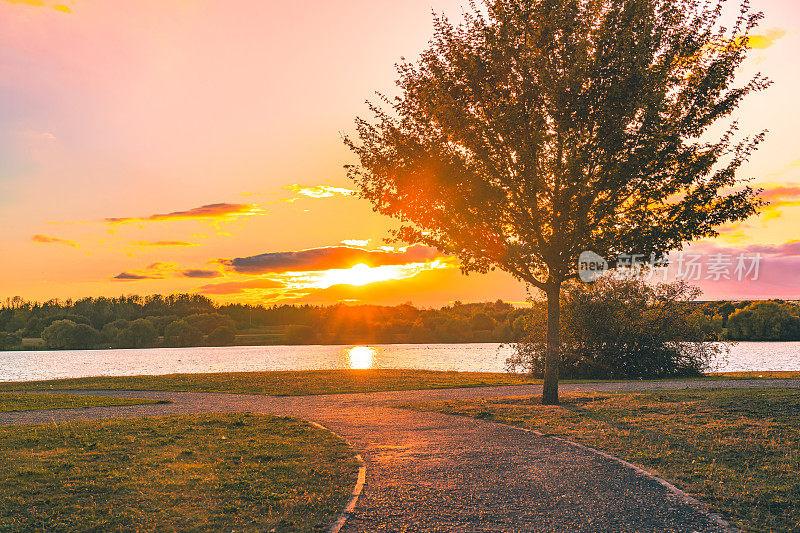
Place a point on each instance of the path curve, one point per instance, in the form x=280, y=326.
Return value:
x=437, y=473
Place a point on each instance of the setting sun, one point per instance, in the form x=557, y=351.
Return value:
x=362, y=274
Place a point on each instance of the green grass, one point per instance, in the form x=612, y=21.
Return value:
x=11, y=401
x=737, y=450
x=229, y=472
x=300, y=383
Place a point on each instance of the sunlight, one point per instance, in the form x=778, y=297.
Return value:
x=361, y=274
x=358, y=275
x=361, y=357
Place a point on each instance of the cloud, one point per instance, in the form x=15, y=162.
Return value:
x=205, y=212
x=128, y=276
x=333, y=257
x=787, y=249
x=320, y=191
x=40, y=3
x=157, y=270
x=200, y=273
x=360, y=275
x=163, y=243
x=239, y=287
x=762, y=41
x=355, y=242
x=47, y=239
x=331, y=285
x=162, y=270
x=780, y=197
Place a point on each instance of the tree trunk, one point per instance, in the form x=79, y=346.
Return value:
x=553, y=355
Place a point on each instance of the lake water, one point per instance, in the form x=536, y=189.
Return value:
x=35, y=365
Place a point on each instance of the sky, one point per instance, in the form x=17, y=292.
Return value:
x=165, y=146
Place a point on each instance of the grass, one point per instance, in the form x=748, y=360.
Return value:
x=290, y=383
x=737, y=450
x=314, y=382
x=229, y=472
x=769, y=374
x=11, y=401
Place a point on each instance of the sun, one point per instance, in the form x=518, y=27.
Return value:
x=359, y=275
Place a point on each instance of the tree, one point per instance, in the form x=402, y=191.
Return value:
x=208, y=322
x=9, y=340
x=66, y=334
x=765, y=321
x=481, y=321
x=222, y=336
x=180, y=333
x=141, y=333
x=537, y=129
x=622, y=328
x=300, y=334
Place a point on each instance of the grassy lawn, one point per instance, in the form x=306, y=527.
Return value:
x=284, y=383
x=13, y=401
x=229, y=472
x=737, y=450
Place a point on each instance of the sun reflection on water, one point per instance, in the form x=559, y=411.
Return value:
x=361, y=357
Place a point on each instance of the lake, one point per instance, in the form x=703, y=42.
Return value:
x=36, y=365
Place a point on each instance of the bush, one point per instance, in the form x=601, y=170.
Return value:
x=208, y=322
x=222, y=336
x=66, y=335
x=9, y=340
x=621, y=329
x=300, y=334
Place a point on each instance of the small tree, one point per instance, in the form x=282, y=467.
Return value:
x=208, y=322
x=9, y=340
x=222, y=336
x=58, y=335
x=300, y=334
x=537, y=129
x=140, y=333
x=180, y=333
x=66, y=334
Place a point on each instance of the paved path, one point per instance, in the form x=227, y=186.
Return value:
x=434, y=472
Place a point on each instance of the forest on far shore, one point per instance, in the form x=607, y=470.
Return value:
x=195, y=320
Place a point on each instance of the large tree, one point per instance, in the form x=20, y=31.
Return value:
x=537, y=129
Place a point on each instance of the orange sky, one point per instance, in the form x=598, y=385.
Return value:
x=145, y=146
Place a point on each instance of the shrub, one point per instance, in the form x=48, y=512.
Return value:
x=9, y=340
x=222, y=336
x=208, y=322
x=621, y=329
x=300, y=334
x=66, y=334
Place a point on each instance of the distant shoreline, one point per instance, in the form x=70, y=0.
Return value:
x=41, y=348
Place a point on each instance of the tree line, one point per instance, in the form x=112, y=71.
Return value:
x=194, y=320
